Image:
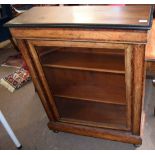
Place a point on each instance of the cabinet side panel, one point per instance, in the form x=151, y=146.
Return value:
x=138, y=86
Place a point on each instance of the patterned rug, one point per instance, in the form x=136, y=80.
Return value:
x=16, y=80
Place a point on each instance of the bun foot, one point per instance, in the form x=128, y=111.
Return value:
x=55, y=131
x=136, y=145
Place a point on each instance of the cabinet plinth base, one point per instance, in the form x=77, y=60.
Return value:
x=109, y=134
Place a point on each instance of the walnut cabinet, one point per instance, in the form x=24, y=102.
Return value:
x=89, y=73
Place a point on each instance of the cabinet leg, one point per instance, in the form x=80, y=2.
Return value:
x=154, y=111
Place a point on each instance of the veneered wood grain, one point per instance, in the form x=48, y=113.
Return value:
x=150, y=52
x=25, y=53
x=43, y=79
x=85, y=15
x=96, y=132
x=150, y=47
x=129, y=80
x=131, y=41
x=84, y=44
x=138, y=86
x=136, y=109
x=91, y=35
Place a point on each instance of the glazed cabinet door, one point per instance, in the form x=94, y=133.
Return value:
x=86, y=83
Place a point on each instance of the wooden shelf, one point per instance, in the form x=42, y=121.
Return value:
x=95, y=124
x=85, y=69
x=100, y=60
x=87, y=93
x=104, y=115
x=88, y=99
x=95, y=86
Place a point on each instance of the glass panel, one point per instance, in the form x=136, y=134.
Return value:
x=87, y=84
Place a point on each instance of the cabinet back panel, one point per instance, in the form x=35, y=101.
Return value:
x=83, y=58
x=105, y=87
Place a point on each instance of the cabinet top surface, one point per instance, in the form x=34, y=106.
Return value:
x=137, y=17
